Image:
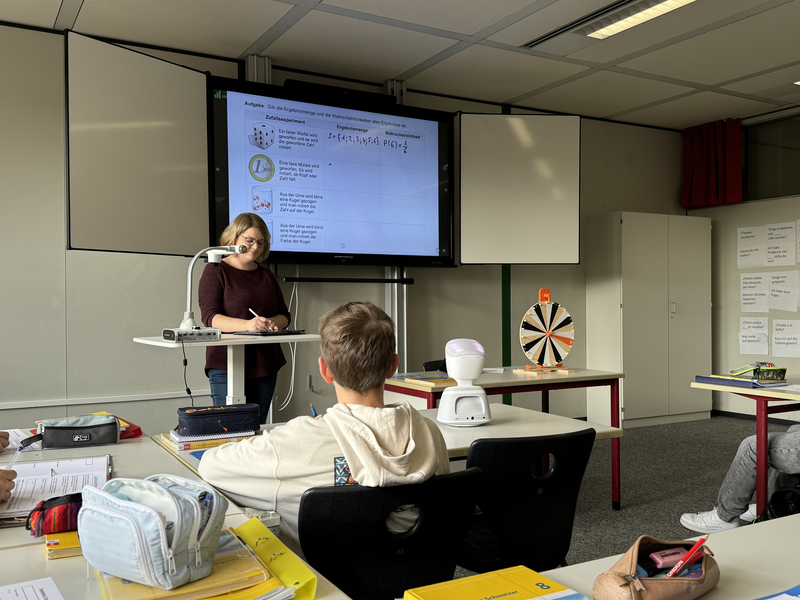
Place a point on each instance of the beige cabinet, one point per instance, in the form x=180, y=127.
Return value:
x=648, y=314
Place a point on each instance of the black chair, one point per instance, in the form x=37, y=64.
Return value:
x=342, y=531
x=527, y=502
x=435, y=365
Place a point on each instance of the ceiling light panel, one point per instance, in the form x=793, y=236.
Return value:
x=630, y=16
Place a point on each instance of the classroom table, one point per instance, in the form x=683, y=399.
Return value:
x=23, y=557
x=511, y=382
x=235, y=345
x=754, y=561
x=510, y=422
x=762, y=397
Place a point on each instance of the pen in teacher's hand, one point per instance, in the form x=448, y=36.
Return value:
x=255, y=314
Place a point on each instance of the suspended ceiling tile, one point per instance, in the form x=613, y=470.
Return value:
x=603, y=93
x=764, y=85
x=544, y=21
x=345, y=47
x=792, y=96
x=219, y=28
x=673, y=24
x=468, y=17
x=697, y=109
x=41, y=13
x=486, y=73
x=747, y=46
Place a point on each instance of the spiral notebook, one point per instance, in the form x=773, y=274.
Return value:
x=181, y=439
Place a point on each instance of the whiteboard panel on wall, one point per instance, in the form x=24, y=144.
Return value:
x=138, y=166
x=520, y=189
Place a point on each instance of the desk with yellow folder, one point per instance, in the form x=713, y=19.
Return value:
x=24, y=558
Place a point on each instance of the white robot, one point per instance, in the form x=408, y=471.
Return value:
x=464, y=405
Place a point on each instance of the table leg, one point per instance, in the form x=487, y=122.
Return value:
x=545, y=401
x=615, y=479
x=431, y=400
x=235, y=375
x=761, y=455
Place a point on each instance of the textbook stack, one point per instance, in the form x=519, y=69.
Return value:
x=199, y=442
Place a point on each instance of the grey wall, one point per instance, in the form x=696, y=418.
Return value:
x=726, y=291
x=68, y=317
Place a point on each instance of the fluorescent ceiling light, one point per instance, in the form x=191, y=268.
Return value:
x=797, y=82
x=607, y=29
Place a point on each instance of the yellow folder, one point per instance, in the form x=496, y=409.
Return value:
x=284, y=564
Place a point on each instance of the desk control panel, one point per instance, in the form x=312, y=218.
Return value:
x=201, y=334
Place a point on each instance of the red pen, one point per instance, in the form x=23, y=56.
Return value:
x=687, y=556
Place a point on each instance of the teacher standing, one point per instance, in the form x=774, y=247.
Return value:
x=229, y=294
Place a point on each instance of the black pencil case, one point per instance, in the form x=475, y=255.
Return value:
x=204, y=420
x=75, y=432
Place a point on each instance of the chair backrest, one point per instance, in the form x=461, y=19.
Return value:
x=527, y=498
x=342, y=532
x=435, y=365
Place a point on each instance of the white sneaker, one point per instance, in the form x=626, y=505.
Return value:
x=750, y=514
x=707, y=522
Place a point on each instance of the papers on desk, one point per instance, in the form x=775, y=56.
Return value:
x=42, y=480
x=36, y=589
x=791, y=594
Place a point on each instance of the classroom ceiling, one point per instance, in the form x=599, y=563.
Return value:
x=709, y=60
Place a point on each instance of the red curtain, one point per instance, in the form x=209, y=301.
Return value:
x=712, y=156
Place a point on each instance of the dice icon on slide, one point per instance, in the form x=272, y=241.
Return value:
x=263, y=135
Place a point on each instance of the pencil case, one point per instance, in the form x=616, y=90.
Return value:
x=75, y=432
x=162, y=531
x=204, y=420
x=54, y=515
x=623, y=582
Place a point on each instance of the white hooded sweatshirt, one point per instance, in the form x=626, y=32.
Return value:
x=389, y=446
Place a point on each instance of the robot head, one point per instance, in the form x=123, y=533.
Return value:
x=464, y=359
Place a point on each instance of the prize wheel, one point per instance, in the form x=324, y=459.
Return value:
x=546, y=333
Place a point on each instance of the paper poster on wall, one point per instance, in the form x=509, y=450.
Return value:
x=752, y=247
x=753, y=324
x=753, y=342
x=784, y=290
x=785, y=338
x=781, y=246
x=755, y=292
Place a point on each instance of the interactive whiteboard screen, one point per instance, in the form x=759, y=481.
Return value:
x=138, y=157
x=520, y=189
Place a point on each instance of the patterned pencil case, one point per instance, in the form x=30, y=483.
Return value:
x=55, y=515
x=205, y=420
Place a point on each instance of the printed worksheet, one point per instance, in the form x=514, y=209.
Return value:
x=36, y=589
x=42, y=480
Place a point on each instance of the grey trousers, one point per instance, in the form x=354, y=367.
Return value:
x=739, y=485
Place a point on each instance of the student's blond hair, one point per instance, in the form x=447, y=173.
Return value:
x=239, y=225
x=357, y=343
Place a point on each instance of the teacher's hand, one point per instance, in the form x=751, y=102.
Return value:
x=3, y=439
x=260, y=324
x=6, y=483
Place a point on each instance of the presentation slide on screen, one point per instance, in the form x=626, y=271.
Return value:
x=334, y=180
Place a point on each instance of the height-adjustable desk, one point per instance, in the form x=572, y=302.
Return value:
x=235, y=344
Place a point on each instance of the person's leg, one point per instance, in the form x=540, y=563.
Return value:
x=218, y=380
x=259, y=390
x=739, y=485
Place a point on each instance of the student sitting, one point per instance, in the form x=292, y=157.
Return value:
x=739, y=485
x=359, y=440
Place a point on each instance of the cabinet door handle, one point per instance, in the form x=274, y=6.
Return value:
x=673, y=308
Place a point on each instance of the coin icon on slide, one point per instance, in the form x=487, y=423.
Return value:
x=261, y=167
